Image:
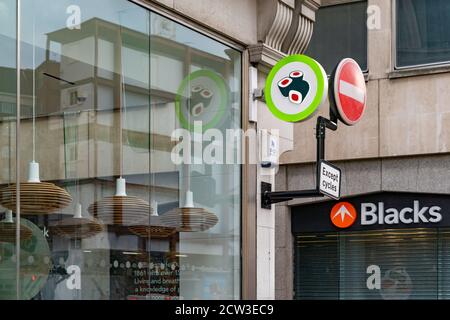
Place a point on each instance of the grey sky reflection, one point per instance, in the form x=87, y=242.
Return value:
x=48, y=16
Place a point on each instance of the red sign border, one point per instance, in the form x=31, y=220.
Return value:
x=337, y=101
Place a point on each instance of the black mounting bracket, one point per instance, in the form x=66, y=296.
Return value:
x=268, y=197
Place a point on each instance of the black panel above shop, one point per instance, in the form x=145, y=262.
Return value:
x=377, y=211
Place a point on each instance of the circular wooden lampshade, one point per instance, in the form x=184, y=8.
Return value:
x=121, y=210
x=189, y=219
x=153, y=230
x=37, y=198
x=77, y=228
x=8, y=232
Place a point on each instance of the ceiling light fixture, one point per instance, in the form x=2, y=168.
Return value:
x=121, y=209
x=188, y=218
x=36, y=197
x=155, y=229
x=8, y=229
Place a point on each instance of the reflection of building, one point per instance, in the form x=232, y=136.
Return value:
x=8, y=92
x=94, y=89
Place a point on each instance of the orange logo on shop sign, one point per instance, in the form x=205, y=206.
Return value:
x=343, y=215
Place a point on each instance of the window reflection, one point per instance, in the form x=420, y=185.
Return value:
x=106, y=97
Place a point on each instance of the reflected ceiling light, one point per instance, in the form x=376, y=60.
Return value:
x=77, y=227
x=8, y=229
x=188, y=218
x=155, y=229
x=36, y=197
x=121, y=209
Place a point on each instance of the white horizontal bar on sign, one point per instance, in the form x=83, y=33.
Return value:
x=351, y=91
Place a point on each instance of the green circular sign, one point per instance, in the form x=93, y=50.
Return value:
x=296, y=86
x=202, y=96
x=35, y=263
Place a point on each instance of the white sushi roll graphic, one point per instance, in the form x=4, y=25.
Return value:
x=207, y=94
x=197, y=109
x=294, y=87
x=283, y=85
x=197, y=88
x=296, y=74
x=200, y=100
x=295, y=96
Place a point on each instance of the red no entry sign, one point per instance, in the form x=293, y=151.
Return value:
x=349, y=91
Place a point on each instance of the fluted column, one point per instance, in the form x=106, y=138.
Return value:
x=285, y=27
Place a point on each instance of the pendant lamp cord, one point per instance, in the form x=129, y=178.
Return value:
x=187, y=167
x=122, y=102
x=34, y=89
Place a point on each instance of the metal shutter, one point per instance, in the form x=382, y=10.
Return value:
x=414, y=263
x=316, y=267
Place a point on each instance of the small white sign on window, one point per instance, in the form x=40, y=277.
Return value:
x=330, y=180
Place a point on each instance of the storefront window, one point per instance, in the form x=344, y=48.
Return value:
x=396, y=248
x=8, y=116
x=105, y=86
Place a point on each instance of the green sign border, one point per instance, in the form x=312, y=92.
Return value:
x=223, y=92
x=315, y=66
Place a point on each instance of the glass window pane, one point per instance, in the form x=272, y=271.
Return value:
x=185, y=64
x=105, y=85
x=422, y=32
x=340, y=32
x=8, y=105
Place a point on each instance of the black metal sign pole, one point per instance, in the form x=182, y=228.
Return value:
x=269, y=197
x=322, y=125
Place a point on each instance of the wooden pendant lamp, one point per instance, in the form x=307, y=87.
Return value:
x=121, y=209
x=77, y=227
x=8, y=229
x=155, y=229
x=36, y=197
x=188, y=218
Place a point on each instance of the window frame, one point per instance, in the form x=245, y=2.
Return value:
x=192, y=24
x=420, y=66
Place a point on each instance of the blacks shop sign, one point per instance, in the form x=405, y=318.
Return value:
x=384, y=210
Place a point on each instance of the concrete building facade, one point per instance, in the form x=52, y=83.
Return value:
x=399, y=146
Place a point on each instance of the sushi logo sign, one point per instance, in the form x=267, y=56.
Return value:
x=296, y=86
x=203, y=96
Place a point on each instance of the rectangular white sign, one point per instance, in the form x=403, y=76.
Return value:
x=330, y=180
